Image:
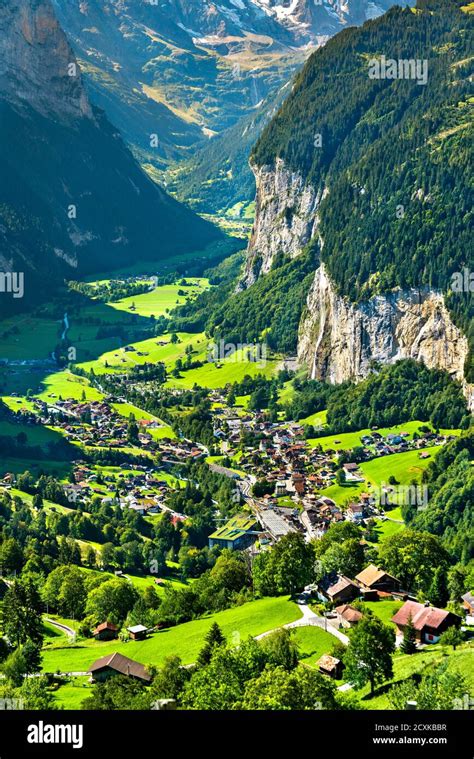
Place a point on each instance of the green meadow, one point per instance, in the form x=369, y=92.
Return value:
x=405, y=467
x=162, y=299
x=349, y=440
x=158, y=433
x=319, y=417
x=217, y=375
x=154, y=350
x=68, y=386
x=405, y=666
x=185, y=640
x=312, y=643
x=59, y=469
x=27, y=337
x=36, y=434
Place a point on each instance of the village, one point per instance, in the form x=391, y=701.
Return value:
x=250, y=450
x=284, y=483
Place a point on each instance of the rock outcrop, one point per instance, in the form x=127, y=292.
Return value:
x=340, y=340
x=286, y=219
x=37, y=65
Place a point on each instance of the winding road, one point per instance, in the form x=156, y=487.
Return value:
x=63, y=628
x=310, y=619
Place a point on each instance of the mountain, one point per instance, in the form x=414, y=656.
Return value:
x=370, y=177
x=218, y=178
x=188, y=70
x=72, y=198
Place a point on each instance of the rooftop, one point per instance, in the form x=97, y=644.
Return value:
x=235, y=528
x=121, y=664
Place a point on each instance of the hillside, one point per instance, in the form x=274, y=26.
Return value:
x=374, y=175
x=72, y=197
x=192, y=70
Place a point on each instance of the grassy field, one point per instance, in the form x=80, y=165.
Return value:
x=139, y=581
x=185, y=640
x=59, y=469
x=404, y=666
x=387, y=529
x=162, y=299
x=405, y=467
x=68, y=386
x=158, y=433
x=216, y=375
x=348, y=440
x=313, y=642
x=72, y=693
x=36, y=434
x=384, y=610
x=18, y=404
x=319, y=417
x=48, y=506
x=154, y=350
x=27, y=337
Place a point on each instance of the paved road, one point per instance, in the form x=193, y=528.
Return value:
x=310, y=619
x=64, y=628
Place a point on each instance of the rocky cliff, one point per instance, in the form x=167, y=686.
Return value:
x=286, y=219
x=339, y=340
x=37, y=66
x=72, y=197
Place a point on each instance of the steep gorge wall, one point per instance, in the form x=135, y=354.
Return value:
x=338, y=340
x=286, y=219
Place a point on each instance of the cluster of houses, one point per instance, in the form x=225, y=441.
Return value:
x=373, y=584
x=299, y=472
x=141, y=489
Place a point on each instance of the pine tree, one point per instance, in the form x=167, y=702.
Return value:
x=408, y=645
x=439, y=594
x=214, y=638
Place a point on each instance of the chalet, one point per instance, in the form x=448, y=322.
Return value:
x=329, y=665
x=375, y=579
x=355, y=512
x=468, y=603
x=428, y=621
x=117, y=664
x=280, y=488
x=105, y=631
x=337, y=589
x=137, y=632
x=347, y=616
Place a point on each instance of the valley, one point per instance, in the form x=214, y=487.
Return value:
x=236, y=395
x=122, y=446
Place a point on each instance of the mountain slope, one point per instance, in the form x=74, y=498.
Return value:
x=72, y=197
x=189, y=70
x=218, y=176
x=373, y=174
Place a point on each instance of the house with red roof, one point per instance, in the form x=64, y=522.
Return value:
x=429, y=622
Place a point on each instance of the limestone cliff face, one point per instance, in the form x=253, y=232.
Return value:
x=35, y=59
x=286, y=219
x=338, y=340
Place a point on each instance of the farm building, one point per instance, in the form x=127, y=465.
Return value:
x=116, y=664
